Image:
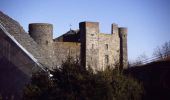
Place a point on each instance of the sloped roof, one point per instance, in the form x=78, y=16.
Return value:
x=21, y=47
x=70, y=36
x=16, y=30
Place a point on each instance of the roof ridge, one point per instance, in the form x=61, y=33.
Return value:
x=20, y=46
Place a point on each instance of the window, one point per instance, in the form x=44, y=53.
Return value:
x=106, y=59
x=106, y=46
x=92, y=34
x=46, y=42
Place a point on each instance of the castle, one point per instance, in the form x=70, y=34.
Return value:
x=22, y=53
x=93, y=48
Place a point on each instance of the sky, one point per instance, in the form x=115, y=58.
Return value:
x=148, y=21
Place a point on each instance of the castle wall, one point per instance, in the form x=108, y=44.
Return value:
x=63, y=50
x=106, y=50
x=99, y=50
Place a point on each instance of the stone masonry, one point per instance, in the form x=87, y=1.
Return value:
x=93, y=48
x=99, y=50
x=22, y=53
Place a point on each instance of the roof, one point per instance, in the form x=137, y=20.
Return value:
x=16, y=32
x=21, y=47
x=70, y=36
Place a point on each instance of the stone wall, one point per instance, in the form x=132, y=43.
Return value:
x=107, y=55
x=99, y=50
x=63, y=50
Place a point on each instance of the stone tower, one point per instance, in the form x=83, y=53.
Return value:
x=116, y=42
x=89, y=44
x=99, y=50
x=123, y=47
x=42, y=33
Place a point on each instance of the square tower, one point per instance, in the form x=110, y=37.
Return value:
x=89, y=44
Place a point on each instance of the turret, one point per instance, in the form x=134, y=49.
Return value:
x=42, y=33
x=123, y=47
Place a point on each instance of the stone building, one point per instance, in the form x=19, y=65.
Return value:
x=99, y=50
x=94, y=49
x=23, y=53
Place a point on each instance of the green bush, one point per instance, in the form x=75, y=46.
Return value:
x=73, y=82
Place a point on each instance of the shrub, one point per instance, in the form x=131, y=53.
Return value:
x=73, y=82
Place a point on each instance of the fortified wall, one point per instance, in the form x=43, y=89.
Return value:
x=22, y=53
x=93, y=48
x=99, y=50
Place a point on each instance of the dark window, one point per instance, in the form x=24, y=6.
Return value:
x=106, y=59
x=106, y=46
x=46, y=42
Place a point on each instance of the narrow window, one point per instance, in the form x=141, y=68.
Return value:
x=106, y=46
x=106, y=59
x=46, y=42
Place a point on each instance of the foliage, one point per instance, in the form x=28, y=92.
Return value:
x=126, y=87
x=73, y=82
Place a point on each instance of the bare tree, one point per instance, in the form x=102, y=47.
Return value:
x=162, y=51
x=141, y=59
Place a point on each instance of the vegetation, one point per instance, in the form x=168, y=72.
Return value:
x=162, y=51
x=72, y=82
x=141, y=59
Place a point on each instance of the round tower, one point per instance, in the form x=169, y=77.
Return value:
x=123, y=47
x=42, y=33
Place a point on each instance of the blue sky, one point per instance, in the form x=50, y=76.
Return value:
x=148, y=21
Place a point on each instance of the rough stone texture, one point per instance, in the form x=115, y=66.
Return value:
x=93, y=48
x=42, y=33
x=123, y=45
x=99, y=50
x=106, y=48
x=63, y=50
x=89, y=44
